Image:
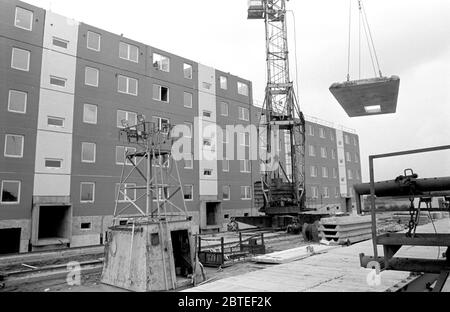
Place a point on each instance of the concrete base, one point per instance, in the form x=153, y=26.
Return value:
x=143, y=259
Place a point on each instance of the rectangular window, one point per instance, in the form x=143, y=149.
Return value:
x=60, y=43
x=223, y=108
x=349, y=174
x=160, y=93
x=207, y=114
x=346, y=139
x=322, y=133
x=121, y=152
x=348, y=156
x=246, y=193
x=91, y=76
x=188, y=191
x=244, y=165
x=244, y=114
x=314, y=192
x=127, y=85
x=88, y=152
x=17, y=101
x=23, y=19
x=334, y=173
x=187, y=71
x=356, y=158
x=20, y=59
x=207, y=142
x=161, y=124
x=93, y=41
x=206, y=85
x=242, y=88
x=333, y=154
x=312, y=150
x=163, y=193
x=226, y=192
x=223, y=82
x=245, y=139
x=55, y=122
x=161, y=62
x=128, y=189
x=207, y=172
x=85, y=226
x=87, y=192
x=355, y=142
x=53, y=163
x=323, y=152
x=326, y=192
x=225, y=165
x=90, y=114
x=311, y=130
x=188, y=163
x=332, y=135
x=14, y=146
x=191, y=130
x=129, y=52
x=324, y=172
x=57, y=81
x=10, y=193
x=337, y=191
x=187, y=99
x=313, y=171
x=126, y=119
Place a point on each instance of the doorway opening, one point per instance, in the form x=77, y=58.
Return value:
x=181, y=253
x=9, y=241
x=348, y=204
x=54, y=222
x=212, y=209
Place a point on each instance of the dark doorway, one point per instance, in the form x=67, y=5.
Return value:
x=348, y=204
x=181, y=252
x=9, y=240
x=53, y=221
x=211, y=213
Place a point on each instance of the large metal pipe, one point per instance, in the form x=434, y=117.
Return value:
x=392, y=188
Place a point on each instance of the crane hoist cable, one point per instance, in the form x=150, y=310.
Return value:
x=363, y=20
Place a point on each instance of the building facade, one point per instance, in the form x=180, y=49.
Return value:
x=66, y=89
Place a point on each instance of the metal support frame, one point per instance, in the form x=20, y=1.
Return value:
x=393, y=242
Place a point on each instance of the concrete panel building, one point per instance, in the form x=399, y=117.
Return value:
x=65, y=89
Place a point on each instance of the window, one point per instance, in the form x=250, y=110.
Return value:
x=93, y=41
x=129, y=52
x=188, y=191
x=14, y=146
x=55, y=122
x=355, y=142
x=127, y=85
x=313, y=171
x=349, y=174
x=90, y=114
x=322, y=133
x=207, y=172
x=160, y=93
x=333, y=154
x=223, y=108
x=187, y=70
x=207, y=142
x=10, y=192
x=245, y=139
x=20, y=59
x=312, y=150
x=346, y=139
x=121, y=152
x=206, y=85
x=244, y=165
x=331, y=135
x=161, y=62
x=126, y=119
x=311, y=130
x=334, y=173
x=187, y=99
x=191, y=130
x=128, y=189
x=161, y=123
x=326, y=192
x=225, y=165
x=324, y=172
x=91, y=76
x=226, y=192
x=357, y=175
x=163, y=193
x=17, y=101
x=356, y=158
x=242, y=88
x=57, y=81
x=337, y=191
x=60, y=43
x=348, y=156
x=188, y=163
x=88, y=152
x=24, y=19
x=323, y=152
x=85, y=225
x=225, y=136
x=223, y=82
x=246, y=193
x=87, y=191
x=244, y=114
x=53, y=163
x=314, y=192
x=207, y=114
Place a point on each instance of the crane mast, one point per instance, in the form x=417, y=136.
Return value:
x=280, y=111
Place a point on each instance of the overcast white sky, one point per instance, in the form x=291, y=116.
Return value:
x=412, y=38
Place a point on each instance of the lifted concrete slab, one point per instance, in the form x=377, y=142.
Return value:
x=367, y=97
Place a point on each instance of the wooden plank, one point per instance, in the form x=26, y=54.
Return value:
x=290, y=255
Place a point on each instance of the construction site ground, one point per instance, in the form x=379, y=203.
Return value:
x=274, y=241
